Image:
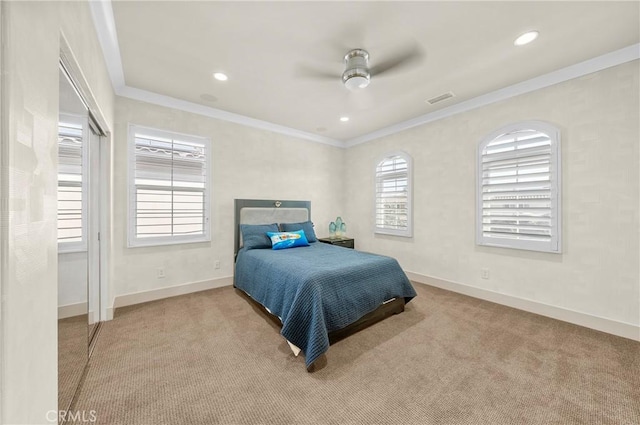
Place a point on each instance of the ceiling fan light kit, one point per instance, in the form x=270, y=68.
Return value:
x=356, y=74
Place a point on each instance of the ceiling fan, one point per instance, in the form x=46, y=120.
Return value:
x=358, y=72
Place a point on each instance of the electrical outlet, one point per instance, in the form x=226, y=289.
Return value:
x=484, y=273
x=216, y=264
x=161, y=273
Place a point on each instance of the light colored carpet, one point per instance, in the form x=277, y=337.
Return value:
x=72, y=357
x=213, y=358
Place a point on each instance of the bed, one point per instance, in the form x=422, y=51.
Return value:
x=320, y=293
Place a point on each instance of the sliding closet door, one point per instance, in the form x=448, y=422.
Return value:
x=73, y=156
x=93, y=238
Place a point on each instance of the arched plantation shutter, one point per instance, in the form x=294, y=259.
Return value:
x=393, y=195
x=519, y=189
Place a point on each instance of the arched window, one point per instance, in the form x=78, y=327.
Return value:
x=518, y=189
x=393, y=195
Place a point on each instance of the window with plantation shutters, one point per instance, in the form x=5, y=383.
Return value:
x=169, y=176
x=393, y=195
x=71, y=202
x=518, y=194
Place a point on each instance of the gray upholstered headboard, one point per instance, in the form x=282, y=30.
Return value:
x=265, y=211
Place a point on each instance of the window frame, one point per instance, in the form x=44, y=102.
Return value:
x=554, y=245
x=408, y=232
x=132, y=240
x=78, y=246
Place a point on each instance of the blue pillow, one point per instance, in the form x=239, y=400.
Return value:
x=284, y=240
x=307, y=226
x=254, y=236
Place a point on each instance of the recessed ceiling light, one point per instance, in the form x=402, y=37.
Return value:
x=526, y=38
x=220, y=76
x=344, y=119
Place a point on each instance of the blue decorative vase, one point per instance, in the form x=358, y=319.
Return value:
x=339, y=226
x=332, y=229
x=343, y=228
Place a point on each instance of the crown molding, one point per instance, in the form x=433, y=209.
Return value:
x=104, y=22
x=599, y=63
x=183, y=105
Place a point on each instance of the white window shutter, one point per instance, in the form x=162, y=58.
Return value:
x=169, y=187
x=71, y=202
x=393, y=195
x=519, y=189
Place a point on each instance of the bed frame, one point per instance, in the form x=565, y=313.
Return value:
x=261, y=211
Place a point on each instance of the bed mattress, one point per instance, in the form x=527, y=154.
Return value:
x=318, y=289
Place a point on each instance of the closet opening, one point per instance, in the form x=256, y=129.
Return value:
x=80, y=141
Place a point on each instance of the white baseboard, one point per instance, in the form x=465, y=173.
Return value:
x=166, y=292
x=626, y=330
x=71, y=310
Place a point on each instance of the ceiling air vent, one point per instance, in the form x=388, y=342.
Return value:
x=440, y=98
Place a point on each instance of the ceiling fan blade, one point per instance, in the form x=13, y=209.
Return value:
x=304, y=71
x=408, y=56
x=349, y=37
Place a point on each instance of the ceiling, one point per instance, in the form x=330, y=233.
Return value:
x=268, y=48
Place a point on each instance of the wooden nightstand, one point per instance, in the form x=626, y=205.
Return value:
x=339, y=241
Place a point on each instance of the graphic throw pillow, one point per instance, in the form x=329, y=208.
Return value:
x=284, y=240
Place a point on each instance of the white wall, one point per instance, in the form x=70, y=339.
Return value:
x=31, y=49
x=4, y=216
x=72, y=278
x=598, y=272
x=247, y=163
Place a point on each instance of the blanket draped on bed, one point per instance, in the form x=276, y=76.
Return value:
x=319, y=288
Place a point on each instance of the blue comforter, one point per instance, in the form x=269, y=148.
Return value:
x=319, y=288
